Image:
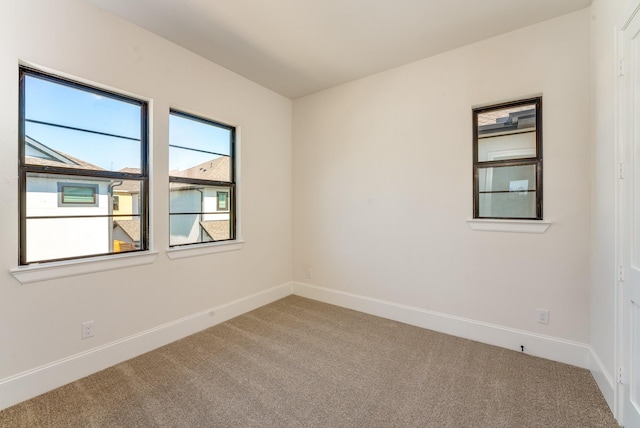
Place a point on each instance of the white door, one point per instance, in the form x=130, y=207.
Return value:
x=630, y=157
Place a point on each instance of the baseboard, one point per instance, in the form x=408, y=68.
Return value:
x=552, y=348
x=31, y=383
x=603, y=379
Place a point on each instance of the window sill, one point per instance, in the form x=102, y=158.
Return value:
x=64, y=269
x=517, y=226
x=203, y=249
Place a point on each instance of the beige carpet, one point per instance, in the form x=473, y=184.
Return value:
x=300, y=363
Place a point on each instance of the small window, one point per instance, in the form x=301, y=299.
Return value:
x=201, y=180
x=507, y=160
x=81, y=195
x=223, y=201
x=83, y=155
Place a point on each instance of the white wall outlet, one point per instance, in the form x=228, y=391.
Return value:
x=87, y=329
x=542, y=316
x=309, y=273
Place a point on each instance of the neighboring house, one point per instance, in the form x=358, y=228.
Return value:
x=69, y=216
x=126, y=235
x=126, y=196
x=201, y=213
x=126, y=200
x=54, y=204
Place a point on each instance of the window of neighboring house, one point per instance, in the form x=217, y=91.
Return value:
x=507, y=160
x=201, y=180
x=116, y=202
x=77, y=194
x=78, y=145
x=223, y=201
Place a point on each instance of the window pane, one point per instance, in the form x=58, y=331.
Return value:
x=46, y=191
x=507, y=146
x=510, y=119
x=508, y=205
x=194, y=214
x=189, y=229
x=200, y=165
x=507, y=178
x=199, y=149
x=507, y=133
x=57, y=238
x=56, y=229
x=65, y=126
x=507, y=192
x=64, y=237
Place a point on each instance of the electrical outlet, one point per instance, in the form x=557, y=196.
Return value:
x=542, y=316
x=309, y=273
x=88, y=329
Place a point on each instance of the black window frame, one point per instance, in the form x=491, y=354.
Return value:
x=65, y=173
x=231, y=185
x=524, y=161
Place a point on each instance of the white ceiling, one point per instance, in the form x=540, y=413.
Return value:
x=298, y=47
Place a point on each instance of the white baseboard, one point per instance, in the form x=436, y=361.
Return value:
x=31, y=383
x=603, y=379
x=552, y=348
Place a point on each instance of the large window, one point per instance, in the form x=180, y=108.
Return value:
x=507, y=160
x=83, y=158
x=201, y=180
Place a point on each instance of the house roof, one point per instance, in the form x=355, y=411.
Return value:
x=218, y=230
x=218, y=169
x=130, y=170
x=128, y=186
x=50, y=157
x=131, y=228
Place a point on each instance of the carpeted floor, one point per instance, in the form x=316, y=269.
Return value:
x=301, y=363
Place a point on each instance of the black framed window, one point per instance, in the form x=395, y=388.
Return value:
x=507, y=160
x=202, y=184
x=78, y=145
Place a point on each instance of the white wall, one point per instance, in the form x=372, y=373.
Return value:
x=383, y=184
x=605, y=15
x=40, y=322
